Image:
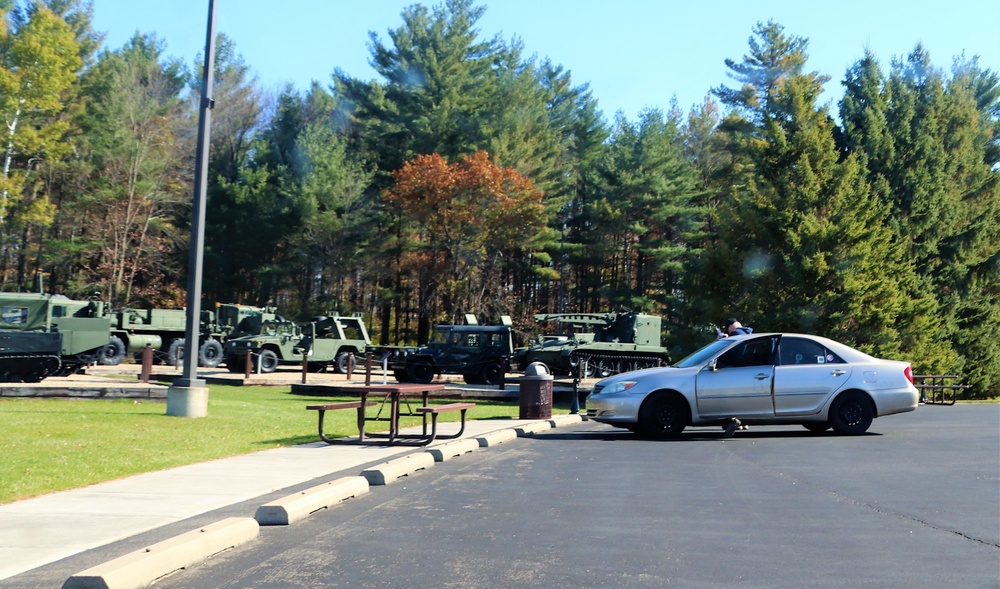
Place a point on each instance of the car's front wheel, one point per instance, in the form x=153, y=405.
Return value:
x=663, y=416
x=851, y=413
x=421, y=371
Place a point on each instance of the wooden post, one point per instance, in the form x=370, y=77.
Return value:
x=147, y=363
x=368, y=369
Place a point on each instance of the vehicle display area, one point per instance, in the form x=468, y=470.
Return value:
x=914, y=505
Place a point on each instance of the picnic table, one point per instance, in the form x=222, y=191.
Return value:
x=400, y=401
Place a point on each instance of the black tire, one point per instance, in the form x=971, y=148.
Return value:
x=175, y=352
x=471, y=378
x=340, y=364
x=816, y=427
x=491, y=374
x=851, y=413
x=266, y=361
x=210, y=353
x=401, y=376
x=663, y=416
x=421, y=371
x=114, y=352
x=604, y=368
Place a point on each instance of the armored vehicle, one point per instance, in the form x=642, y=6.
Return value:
x=45, y=335
x=325, y=342
x=164, y=330
x=481, y=354
x=615, y=342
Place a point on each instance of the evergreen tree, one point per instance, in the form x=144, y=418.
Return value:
x=807, y=239
x=926, y=143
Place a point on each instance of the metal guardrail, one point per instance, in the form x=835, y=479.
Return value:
x=939, y=389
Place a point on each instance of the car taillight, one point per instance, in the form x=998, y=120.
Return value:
x=908, y=373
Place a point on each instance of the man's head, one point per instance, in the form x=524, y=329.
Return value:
x=732, y=324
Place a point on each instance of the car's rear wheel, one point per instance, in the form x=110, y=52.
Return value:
x=851, y=413
x=341, y=363
x=663, y=416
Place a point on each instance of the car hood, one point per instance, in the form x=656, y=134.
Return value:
x=663, y=374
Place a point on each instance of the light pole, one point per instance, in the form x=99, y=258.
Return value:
x=188, y=396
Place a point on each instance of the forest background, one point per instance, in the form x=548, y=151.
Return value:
x=471, y=178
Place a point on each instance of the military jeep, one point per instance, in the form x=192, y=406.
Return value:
x=481, y=354
x=325, y=342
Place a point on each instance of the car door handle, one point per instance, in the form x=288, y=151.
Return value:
x=762, y=376
x=839, y=372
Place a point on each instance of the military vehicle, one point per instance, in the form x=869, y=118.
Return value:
x=615, y=342
x=164, y=330
x=326, y=342
x=481, y=354
x=44, y=335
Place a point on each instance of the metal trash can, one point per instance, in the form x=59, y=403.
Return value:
x=535, y=392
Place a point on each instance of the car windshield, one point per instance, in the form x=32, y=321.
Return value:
x=702, y=355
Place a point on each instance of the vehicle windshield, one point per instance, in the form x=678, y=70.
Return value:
x=440, y=336
x=702, y=355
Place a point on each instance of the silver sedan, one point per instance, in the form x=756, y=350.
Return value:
x=766, y=379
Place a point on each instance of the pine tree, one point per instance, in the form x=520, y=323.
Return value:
x=808, y=238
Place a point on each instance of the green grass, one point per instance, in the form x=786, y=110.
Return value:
x=51, y=445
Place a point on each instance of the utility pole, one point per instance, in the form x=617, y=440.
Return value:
x=188, y=396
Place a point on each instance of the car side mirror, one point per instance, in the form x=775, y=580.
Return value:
x=713, y=365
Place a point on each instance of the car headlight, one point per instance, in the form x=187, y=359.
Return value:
x=618, y=387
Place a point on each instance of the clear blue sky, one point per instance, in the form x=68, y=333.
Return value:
x=633, y=53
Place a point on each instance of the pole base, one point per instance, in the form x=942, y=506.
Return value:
x=187, y=401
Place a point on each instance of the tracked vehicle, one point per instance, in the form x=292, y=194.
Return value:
x=44, y=335
x=609, y=342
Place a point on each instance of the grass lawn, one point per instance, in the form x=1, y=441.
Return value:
x=56, y=444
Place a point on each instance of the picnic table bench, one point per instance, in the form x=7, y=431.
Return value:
x=395, y=396
x=939, y=389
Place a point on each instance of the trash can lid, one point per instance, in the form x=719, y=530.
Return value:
x=536, y=369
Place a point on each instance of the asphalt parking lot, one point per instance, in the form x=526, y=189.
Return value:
x=915, y=503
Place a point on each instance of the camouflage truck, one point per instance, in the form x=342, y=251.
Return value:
x=44, y=335
x=609, y=342
x=480, y=353
x=326, y=342
x=164, y=330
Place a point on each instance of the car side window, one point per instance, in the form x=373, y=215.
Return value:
x=794, y=351
x=752, y=353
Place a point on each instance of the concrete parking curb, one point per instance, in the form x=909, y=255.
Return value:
x=566, y=419
x=497, y=437
x=142, y=567
x=453, y=449
x=297, y=506
x=530, y=429
x=394, y=470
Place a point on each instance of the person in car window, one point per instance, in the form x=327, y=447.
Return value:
x=734, y=327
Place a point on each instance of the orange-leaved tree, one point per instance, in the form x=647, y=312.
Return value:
x=463, y=219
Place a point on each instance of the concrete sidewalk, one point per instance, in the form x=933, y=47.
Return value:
x=39, y=531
